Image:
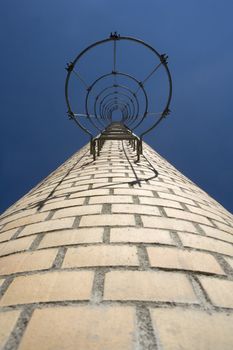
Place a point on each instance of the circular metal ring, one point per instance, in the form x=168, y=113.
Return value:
x=129, y=119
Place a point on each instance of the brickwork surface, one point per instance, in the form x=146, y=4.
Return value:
x=114, y=254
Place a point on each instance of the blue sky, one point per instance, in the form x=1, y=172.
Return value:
x=37, y=38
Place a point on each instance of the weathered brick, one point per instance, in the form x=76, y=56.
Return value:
x=49, y=286
x=176, y=198
x=192, y=329
x=140, y=235
x=107, y=220
x=180, y=214
x=123, y=179
x=205, y=213
x=90, y=193
x=173, y=258
x=15, y=245
x=53, y=200
x=168, y=223
x=25, y=221
x=5, y=236
x=95, y=181
x=8, y=320
x=206, y=243
x=134, y=192
x=74, y=236
x=111, y=199
x=71, y=190
x=120, y=174
x=78, y=211
x=216, y=210
x=135, y=209
x=163, y=186
x=148, y=286
x=64, y=185
x=217, y=233
x=63, y=204
x=224, y=227
x=49, y=225
x=16, y=216
x=102, y=255
x=28, y=261
x=220, y=291
x=100, y=328
x=194, y=197
x=149, y=187
x=187, y=187
x=160, y=202
x=111, y=185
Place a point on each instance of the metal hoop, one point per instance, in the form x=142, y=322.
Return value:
x=129, y=106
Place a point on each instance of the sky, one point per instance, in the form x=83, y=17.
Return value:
x=38, y=38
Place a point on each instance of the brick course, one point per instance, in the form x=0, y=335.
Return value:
x=114, y=254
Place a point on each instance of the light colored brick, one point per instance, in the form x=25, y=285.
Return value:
x=124, y=179
x=71, y=190
x=181, y=184
x=49, y=286
x=15, y=245
x=100, y=328
x=199, y=198
x=25, y=221
x=206, y=243
x=16, y=216
x=217, y=233
x=63, y=204
x=90, y=193
x=75, y=236
x=94, y=181
x=217, y=211
x=64, y=185
x=220, y=291
x=102, y=255
x=149, y=187
x=140, y=235
x=119, y=174
x=192, y=329
x=163, y=186
x=180, y=214
x=111, y=185
x=173, y=258
x=148, y=286
x=28, y=261
x=49, y=225
x=135, y=209
x=8, y=320
x=134, y=192
x=75, y=177
x=53, y=200
x=5, y=236
x=159, y=202
x=168, y=223
x=205, y=213
x=224, y=227
x=78, y=211
x=107, y=220
x=111, y=199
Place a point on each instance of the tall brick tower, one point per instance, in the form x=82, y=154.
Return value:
x=116, y=253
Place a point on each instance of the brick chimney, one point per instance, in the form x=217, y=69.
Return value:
x=113, y=254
